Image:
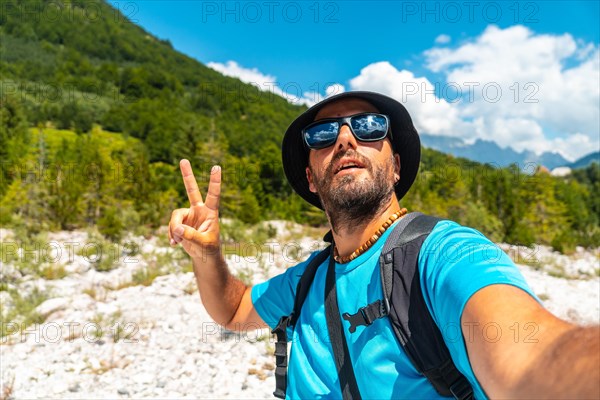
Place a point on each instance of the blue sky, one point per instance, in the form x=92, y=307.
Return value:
x=524, y=74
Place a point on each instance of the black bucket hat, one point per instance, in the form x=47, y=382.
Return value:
x=405, y=142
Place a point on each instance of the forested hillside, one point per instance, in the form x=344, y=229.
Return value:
x=96, y=112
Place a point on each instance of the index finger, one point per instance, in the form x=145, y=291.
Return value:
x=191, y=186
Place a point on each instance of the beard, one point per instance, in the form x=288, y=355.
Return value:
x=350, y=201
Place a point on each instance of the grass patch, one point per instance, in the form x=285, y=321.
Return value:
x=9, y=252
x=22, y=311
x=102, y=254
x=34, y=256
x=145, y=276
x=97, y=292
x=53, y=272
x=26, y=256
x=234, y=231
x=159, y=264
x=112, y=325
x=173, y=260
x=558, y=273
x=295, y=232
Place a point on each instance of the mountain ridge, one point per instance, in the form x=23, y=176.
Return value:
x=585, y=160
x=489, y=152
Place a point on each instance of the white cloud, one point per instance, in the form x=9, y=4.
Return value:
x=246, y=75
x=536, y=92
x=267, y=83
x=520, y=133
x=429, y=113
x=549, y=98
x=442, y=39
x=334, y=89
x=576, y=144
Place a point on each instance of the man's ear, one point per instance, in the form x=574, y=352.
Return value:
x=309, y=177
x=396, y=168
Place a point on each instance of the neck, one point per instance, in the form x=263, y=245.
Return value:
x=349, y=238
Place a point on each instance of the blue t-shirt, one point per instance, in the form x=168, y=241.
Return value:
x=454, y=263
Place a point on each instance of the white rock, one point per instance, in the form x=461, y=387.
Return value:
x=144, y=378
x=5, y=302
x=107, y=309
x=560, y=171
x=8, y=272
x=52, y=305
x=78, y=265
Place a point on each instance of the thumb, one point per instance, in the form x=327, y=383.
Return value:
x=188, y=234
x=185, y=232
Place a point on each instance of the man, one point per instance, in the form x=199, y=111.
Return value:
x=355, y=155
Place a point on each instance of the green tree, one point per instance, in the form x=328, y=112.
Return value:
x=14, y=139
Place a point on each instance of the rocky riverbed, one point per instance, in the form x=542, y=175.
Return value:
x=137, y=328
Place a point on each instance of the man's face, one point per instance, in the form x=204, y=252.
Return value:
x=330, y=172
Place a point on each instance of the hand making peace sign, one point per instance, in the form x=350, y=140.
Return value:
x=197, y=227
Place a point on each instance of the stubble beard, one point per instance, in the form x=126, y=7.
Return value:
x=351, y=202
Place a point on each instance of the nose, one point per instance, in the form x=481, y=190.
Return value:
x=346, y=139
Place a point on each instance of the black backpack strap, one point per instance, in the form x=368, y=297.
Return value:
x=306, y=281
x=281, y=357
x=398, y=237
x=281, y=350
x=413, y=325
x=343, y=363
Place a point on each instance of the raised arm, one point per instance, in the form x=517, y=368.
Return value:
x=520, y=350
x=196, y=228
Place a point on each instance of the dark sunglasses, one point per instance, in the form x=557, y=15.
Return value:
x=366, y=127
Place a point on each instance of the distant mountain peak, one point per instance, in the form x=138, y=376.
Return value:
x=487, y=151
x=585, y=160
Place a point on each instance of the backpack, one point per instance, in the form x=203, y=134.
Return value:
x=402, y=303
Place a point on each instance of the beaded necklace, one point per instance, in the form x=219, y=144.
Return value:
x=367, y=245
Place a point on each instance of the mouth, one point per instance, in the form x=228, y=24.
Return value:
x=348, y=165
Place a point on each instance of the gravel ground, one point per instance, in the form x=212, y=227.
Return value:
x=103, y=338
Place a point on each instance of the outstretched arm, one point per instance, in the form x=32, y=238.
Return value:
x=520, y=350
x=226, y=298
